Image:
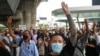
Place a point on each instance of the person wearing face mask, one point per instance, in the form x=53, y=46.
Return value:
x=27, y=47
x=92, y=42
x=91, y=46
x=57, y=44
x=97, y=35
x=75, y=46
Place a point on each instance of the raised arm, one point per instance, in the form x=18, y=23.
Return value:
x=72, y=27
x=86, y=33
x=31, y=31
x=9, y=21
x=86, y=24
x=94, y=27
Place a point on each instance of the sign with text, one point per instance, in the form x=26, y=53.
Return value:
x=95, y=2
x=22, y=27
x=43, y=18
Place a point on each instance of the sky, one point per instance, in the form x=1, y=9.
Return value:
x=45, y=8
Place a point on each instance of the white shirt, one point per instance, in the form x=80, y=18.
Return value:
x=7, y=39
x=98, y=39
x=34, y=37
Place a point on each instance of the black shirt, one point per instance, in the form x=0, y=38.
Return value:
x=4, y=52
x=68, y=50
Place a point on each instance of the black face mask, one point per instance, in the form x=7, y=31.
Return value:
x=16, y=32
x=25, y=37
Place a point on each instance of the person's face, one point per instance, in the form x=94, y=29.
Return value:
x=27, y=34
x=21, y=32
x=57, y=44
x=57, y=39
x=35, y=32
x=3, y=33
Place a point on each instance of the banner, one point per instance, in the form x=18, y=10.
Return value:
x=22, y=27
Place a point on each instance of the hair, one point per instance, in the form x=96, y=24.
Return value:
x=2, y=44
x=26, y=31
x=92, y=32
x=55, y=35
x=16, y=32
x=5, y=33
x=24, y=36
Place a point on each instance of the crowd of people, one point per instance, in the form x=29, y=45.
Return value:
x=53, y=42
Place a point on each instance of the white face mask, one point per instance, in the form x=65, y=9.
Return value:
x=53, y=32
x=8, y=35
x=91, y=37
x=57, y=47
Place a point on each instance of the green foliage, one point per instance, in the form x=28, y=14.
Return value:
x=2, y=28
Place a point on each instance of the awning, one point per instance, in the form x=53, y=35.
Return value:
x=94, y=19
x=62, y=20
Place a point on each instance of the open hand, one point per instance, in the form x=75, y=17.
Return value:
x=9, y=20
x=65, y=8
x=94, y=24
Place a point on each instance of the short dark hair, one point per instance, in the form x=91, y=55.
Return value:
x=55, y=35
x=24, y=36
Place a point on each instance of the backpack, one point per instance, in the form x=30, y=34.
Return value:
x=78, y=51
